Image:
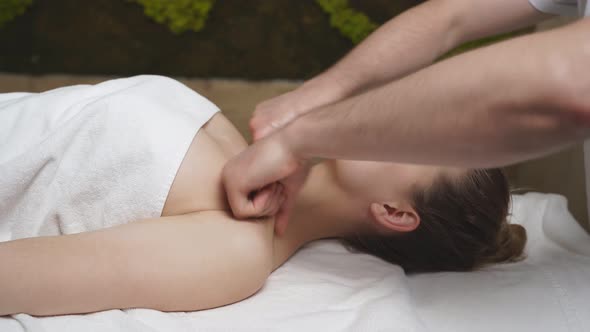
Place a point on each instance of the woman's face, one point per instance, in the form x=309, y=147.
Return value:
x=385, y=181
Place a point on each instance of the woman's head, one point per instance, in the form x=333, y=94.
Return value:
x=431, y=218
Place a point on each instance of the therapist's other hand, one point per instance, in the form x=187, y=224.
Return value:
x=275, y=113
x=264, y=180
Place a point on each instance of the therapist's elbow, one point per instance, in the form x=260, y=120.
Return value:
x=569, y=99
x=567, y=88
x=573, y=102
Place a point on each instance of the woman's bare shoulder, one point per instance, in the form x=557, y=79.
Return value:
x=226, y=135
x=257, y=233
x=211, y=259
x=198, y=185
x=245, y=247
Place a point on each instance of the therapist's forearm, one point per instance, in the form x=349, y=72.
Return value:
x=494, y=106
x=413, y=40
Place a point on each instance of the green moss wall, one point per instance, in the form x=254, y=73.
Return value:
x=254, y=39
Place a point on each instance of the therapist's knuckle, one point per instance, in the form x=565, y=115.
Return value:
x=241, y=212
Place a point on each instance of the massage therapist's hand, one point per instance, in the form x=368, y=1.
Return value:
x=264, y=180
x=275, y=113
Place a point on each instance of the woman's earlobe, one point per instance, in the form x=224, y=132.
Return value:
x=399, y=217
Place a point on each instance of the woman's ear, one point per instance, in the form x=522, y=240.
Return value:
x=395, y=216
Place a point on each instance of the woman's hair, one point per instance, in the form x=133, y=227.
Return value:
x=462, y=227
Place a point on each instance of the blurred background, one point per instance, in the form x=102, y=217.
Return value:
x=236, y=53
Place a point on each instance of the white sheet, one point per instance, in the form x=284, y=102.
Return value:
x=326, y=288
x=549, y=291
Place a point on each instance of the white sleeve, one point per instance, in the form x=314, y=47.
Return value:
x=559, y=7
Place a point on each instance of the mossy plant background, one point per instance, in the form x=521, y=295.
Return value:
x=254, y=39
x=178, y=15
x=9, y=9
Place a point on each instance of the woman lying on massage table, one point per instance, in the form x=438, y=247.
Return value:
x=111, y=197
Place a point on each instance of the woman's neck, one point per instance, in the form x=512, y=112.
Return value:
x=322, y=210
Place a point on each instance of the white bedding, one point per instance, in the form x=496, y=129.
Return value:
x=324, y=287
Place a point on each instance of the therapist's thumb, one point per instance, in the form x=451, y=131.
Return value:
x=249, y=198
x=242, y=202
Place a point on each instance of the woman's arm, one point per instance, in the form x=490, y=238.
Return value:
x=180, y=263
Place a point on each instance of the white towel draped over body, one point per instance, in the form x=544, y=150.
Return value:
x=86, y=157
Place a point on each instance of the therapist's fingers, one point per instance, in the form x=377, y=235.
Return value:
x=240, y=197
x=268, y=200
x=258, y=203
x=282, y=217
x=293, y=185
x=273, y=114
x=265, y=125
x=249, y=176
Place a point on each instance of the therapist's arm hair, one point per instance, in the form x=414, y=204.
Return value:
x=411, y=41
x=180, y=263
x=498, y=105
